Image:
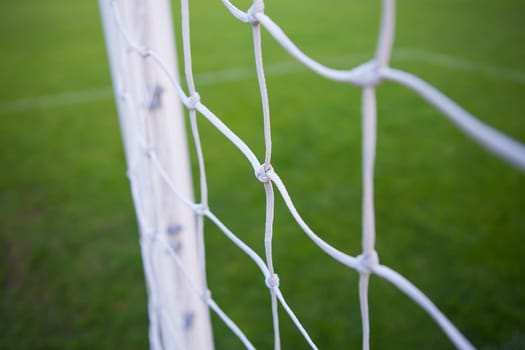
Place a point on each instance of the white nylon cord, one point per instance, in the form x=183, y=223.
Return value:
x=495, y=141
x=343, y=258
x=296, y=321
x=273, y=281
x=288, y=45
x=203, y=185
x=369, y=150
x=369, y=256
x=422, y=300
x=364, y=279
x=386, y=36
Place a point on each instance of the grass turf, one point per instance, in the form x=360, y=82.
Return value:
x=449, y=215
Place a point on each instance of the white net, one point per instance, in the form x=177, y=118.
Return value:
x=146, y=81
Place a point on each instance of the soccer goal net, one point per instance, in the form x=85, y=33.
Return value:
x=151, y=99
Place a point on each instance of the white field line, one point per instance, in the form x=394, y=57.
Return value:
x=60, y=99
x=457, y=63
x=273, y=69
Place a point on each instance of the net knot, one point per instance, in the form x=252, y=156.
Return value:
x=368, y=74
x=256, y=8
x=272, y=281
x=262, y=173
x=200, y=209
x=206, y=296
x=192, y=101
x=149, y=152
x=368, y=261
x=143, y=51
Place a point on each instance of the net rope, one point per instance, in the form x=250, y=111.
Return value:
x=365, y=76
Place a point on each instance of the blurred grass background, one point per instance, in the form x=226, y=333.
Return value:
x=450, y=216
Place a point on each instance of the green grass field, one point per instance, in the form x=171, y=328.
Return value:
x=450, y=216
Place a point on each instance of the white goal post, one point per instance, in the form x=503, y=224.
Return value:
x=154, y=133
x=150, y=100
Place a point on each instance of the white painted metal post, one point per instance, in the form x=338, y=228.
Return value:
x=151, y=118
